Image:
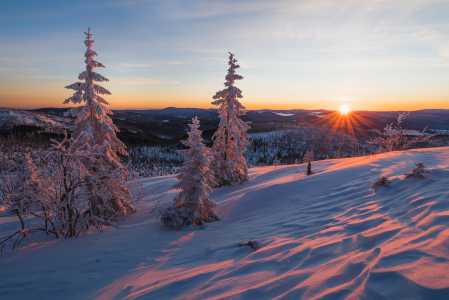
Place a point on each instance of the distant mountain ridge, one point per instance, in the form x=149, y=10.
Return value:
x=154, y=126
x=48, y=121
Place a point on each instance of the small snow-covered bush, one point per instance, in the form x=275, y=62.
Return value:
x=419, y=171
x=382, y=181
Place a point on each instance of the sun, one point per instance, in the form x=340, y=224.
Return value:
x=344, y=109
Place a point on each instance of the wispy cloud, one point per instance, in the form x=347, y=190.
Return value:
x=127, y=2
x=135, y=80
x=176, y=63
x=243, y=65
x=136, y=65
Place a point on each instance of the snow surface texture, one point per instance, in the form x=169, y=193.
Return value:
x=325, y=236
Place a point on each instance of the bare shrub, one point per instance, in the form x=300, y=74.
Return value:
x=419, y=171
x=65, y=189
x=395, y=138
x=382, y=181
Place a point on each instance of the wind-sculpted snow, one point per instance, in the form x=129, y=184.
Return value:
x=325, y=236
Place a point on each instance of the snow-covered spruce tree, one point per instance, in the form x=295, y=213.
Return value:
x=231, y=139
x=192, y=205
x=93, y=126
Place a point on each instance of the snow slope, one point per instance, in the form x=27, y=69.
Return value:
x=326, y=236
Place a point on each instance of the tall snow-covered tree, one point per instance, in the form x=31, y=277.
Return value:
x=231, y=139
x=93, y=125
x=192, y=205
x=95, y=128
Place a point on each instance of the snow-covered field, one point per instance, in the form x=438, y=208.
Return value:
x=325, y=236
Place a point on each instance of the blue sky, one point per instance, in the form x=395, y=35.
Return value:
x=371, y=55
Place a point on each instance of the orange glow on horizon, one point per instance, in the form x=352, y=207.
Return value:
x=53, y=94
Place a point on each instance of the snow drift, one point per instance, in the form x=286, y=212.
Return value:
x=325, y=236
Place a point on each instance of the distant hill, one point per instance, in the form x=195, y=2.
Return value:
x=168, y=125
x=47, y=121
x=52, y=110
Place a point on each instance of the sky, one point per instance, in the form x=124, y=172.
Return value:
x=300, y=54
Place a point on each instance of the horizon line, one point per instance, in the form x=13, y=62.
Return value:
x=322, y=109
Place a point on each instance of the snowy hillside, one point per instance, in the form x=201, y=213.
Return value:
x=325, y=236
x=10, y=117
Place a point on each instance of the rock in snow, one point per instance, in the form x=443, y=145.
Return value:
x=327, y=236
